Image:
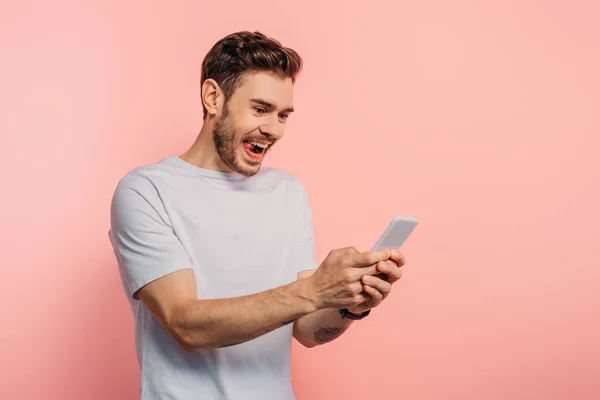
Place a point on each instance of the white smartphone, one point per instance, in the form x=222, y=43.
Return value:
x=396, y=233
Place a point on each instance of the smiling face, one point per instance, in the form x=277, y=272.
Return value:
x=253, y=119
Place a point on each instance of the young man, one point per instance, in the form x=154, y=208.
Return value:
x=216, y=254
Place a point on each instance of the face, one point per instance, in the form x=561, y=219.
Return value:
x=252, y=121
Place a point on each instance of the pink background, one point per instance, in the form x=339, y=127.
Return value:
x=479, y=118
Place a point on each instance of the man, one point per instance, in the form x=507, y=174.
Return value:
x=216, y=254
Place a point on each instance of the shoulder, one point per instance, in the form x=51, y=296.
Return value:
x=282, y=177
x=142, y=179
x=138, y=187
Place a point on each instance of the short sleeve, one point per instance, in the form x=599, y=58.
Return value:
x=303, y=257
x=141, y=234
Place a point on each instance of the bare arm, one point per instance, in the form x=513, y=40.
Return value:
x=203, y=324
x=325, y=325
x=321, y=326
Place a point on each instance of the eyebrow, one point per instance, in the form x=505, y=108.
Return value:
x=269, y=105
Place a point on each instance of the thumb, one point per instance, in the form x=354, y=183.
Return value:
x=397, y=257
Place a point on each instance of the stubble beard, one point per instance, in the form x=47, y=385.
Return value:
x=224, y=138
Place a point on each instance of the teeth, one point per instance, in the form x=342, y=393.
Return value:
x=261, y=145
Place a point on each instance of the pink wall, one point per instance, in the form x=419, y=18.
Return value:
x=479, y=118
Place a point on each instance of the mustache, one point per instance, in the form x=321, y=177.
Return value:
x=260, y=139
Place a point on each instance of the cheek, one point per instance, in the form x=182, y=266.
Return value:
x=242, y=126
x=249, y=122
x=234, y=134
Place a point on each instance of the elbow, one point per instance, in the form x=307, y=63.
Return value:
x=192, y=340
x=183, y=338
x=187, y=339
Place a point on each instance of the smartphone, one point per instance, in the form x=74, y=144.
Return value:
x=396, y=233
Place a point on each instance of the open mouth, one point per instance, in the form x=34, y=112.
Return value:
x=255, y=148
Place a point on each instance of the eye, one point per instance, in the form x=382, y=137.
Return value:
x=284, y=116
x=260, y=110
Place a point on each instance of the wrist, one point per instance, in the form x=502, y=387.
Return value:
x=356, y=310
x=345, y=313
x=307, y=295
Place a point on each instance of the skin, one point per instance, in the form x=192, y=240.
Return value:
x=259, y=109
x=219, y=145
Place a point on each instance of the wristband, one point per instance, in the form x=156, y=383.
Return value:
x=347, y=314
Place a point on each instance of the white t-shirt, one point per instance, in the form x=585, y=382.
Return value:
x=240, y=236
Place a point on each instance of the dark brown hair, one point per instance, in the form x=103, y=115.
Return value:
x=243, y=52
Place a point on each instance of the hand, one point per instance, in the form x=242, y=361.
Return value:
x=337, y=282
x=379, y=286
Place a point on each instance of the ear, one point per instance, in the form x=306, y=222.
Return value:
x=212, y=97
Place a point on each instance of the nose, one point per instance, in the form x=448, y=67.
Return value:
x=273, y=128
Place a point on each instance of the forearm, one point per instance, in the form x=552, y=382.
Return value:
x=204, y=324
x=320, y=327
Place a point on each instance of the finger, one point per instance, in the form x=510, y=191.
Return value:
x=391, y=270
x=360, y=308
x=375, y=294
x=369, y=258
x=352, y=250
x=382, y=286
x=380, y=266
x=361, y=298
x=398, y=258
x=380, y=274
x=369, y=270
x=356, y=288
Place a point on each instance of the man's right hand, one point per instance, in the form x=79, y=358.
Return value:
x=337, y=282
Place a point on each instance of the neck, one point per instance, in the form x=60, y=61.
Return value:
x=203, y=153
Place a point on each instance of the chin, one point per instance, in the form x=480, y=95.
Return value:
x=247, y=169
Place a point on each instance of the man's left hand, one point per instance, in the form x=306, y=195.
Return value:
x=380, y=286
